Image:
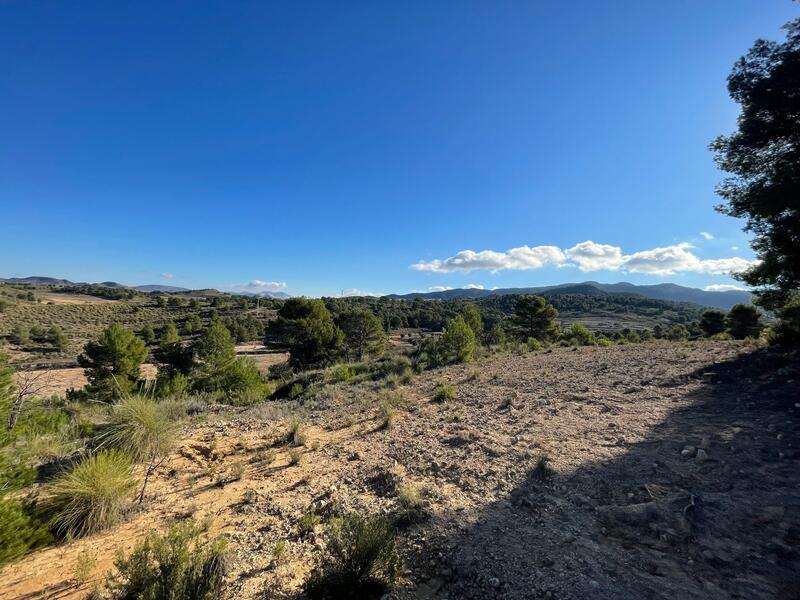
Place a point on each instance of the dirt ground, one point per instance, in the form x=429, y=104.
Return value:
x=672, y=472
x=75, y=299
x=58, y=381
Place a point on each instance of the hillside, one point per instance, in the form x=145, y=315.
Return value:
x=665, y=291
x=622, y=507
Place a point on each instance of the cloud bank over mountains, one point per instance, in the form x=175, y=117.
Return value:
x=588, y=256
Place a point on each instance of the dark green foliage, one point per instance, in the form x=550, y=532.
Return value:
x=20, y=530
x=678, y=333
x=788, y=329
x=56, y=336
x=444, y=392
x=360, y=560
x=181, y=565
x=744, y=321
x=712, y=322
x=244, y=328
x=496, y=336
x=457, y=342
x=307, y=328
x=763, y=156
x=472, y=316
x=149, y=335
x=535, y=317
x=215, y=348
x=241, y=382
x=112, y=363
x=192, y=324
x=580, y=335
x=363, y=333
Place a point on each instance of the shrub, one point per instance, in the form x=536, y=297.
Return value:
x=341, y=373
x=580, y=334
x=295, y=456
x=141, y=428
x=92, y=496
x=533, y=344
x=181, y=565
x=444, y=392
x=307, y=522
x=360, y=560
x=19, y=530
x=541, y=468
x=241, y=382
x=387, y=413
x=604, y=342
x=678, y=333
x=295, y=391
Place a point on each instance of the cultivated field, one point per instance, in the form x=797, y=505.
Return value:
x=671, y=471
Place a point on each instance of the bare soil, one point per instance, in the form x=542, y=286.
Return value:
x=628, y=506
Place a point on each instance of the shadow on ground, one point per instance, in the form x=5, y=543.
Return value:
x=708, y=506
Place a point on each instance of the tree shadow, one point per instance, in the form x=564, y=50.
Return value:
x=707, y=506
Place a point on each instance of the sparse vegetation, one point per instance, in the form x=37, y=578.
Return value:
x=182, y=564
x=360, y=560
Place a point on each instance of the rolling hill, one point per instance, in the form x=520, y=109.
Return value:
x=662, y=291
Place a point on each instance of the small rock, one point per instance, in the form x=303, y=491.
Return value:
x=688, y=451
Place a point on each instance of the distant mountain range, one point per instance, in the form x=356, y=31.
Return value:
x=661, y=291
x=37, y=280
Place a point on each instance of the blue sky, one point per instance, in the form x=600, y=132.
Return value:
x=380, y=146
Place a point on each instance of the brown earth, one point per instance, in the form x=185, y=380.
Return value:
x=628, y=511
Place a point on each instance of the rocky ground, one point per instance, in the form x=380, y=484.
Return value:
x=646, y=471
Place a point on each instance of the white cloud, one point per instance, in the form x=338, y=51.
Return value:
x=521, y=258
x=474, y=286
x=734, y=248
x=588, y=256
x=706, y=235
x=358, y=292
x=258, y=285
x=167, y=275
x=439, y=288
x=724, y=287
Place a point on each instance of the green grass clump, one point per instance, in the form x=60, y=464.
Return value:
x=307, y=522
x=360, y=560
x=141, y=428
x=183, y=564
x=92, y=496
x=444, y=392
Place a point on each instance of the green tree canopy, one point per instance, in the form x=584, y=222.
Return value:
x=763, y=157
x=458, y=341
x=472, y=316
x=307, y=328
x=112, y=362
x=363, y=333
x=712, y=322
x=743, y=321
x=534, y=317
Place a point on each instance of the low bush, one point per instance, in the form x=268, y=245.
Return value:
x=307, y=523
x=444, y=392
x=183, y=564
x=533, y=344
x=92, y=496
x=360, y=560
